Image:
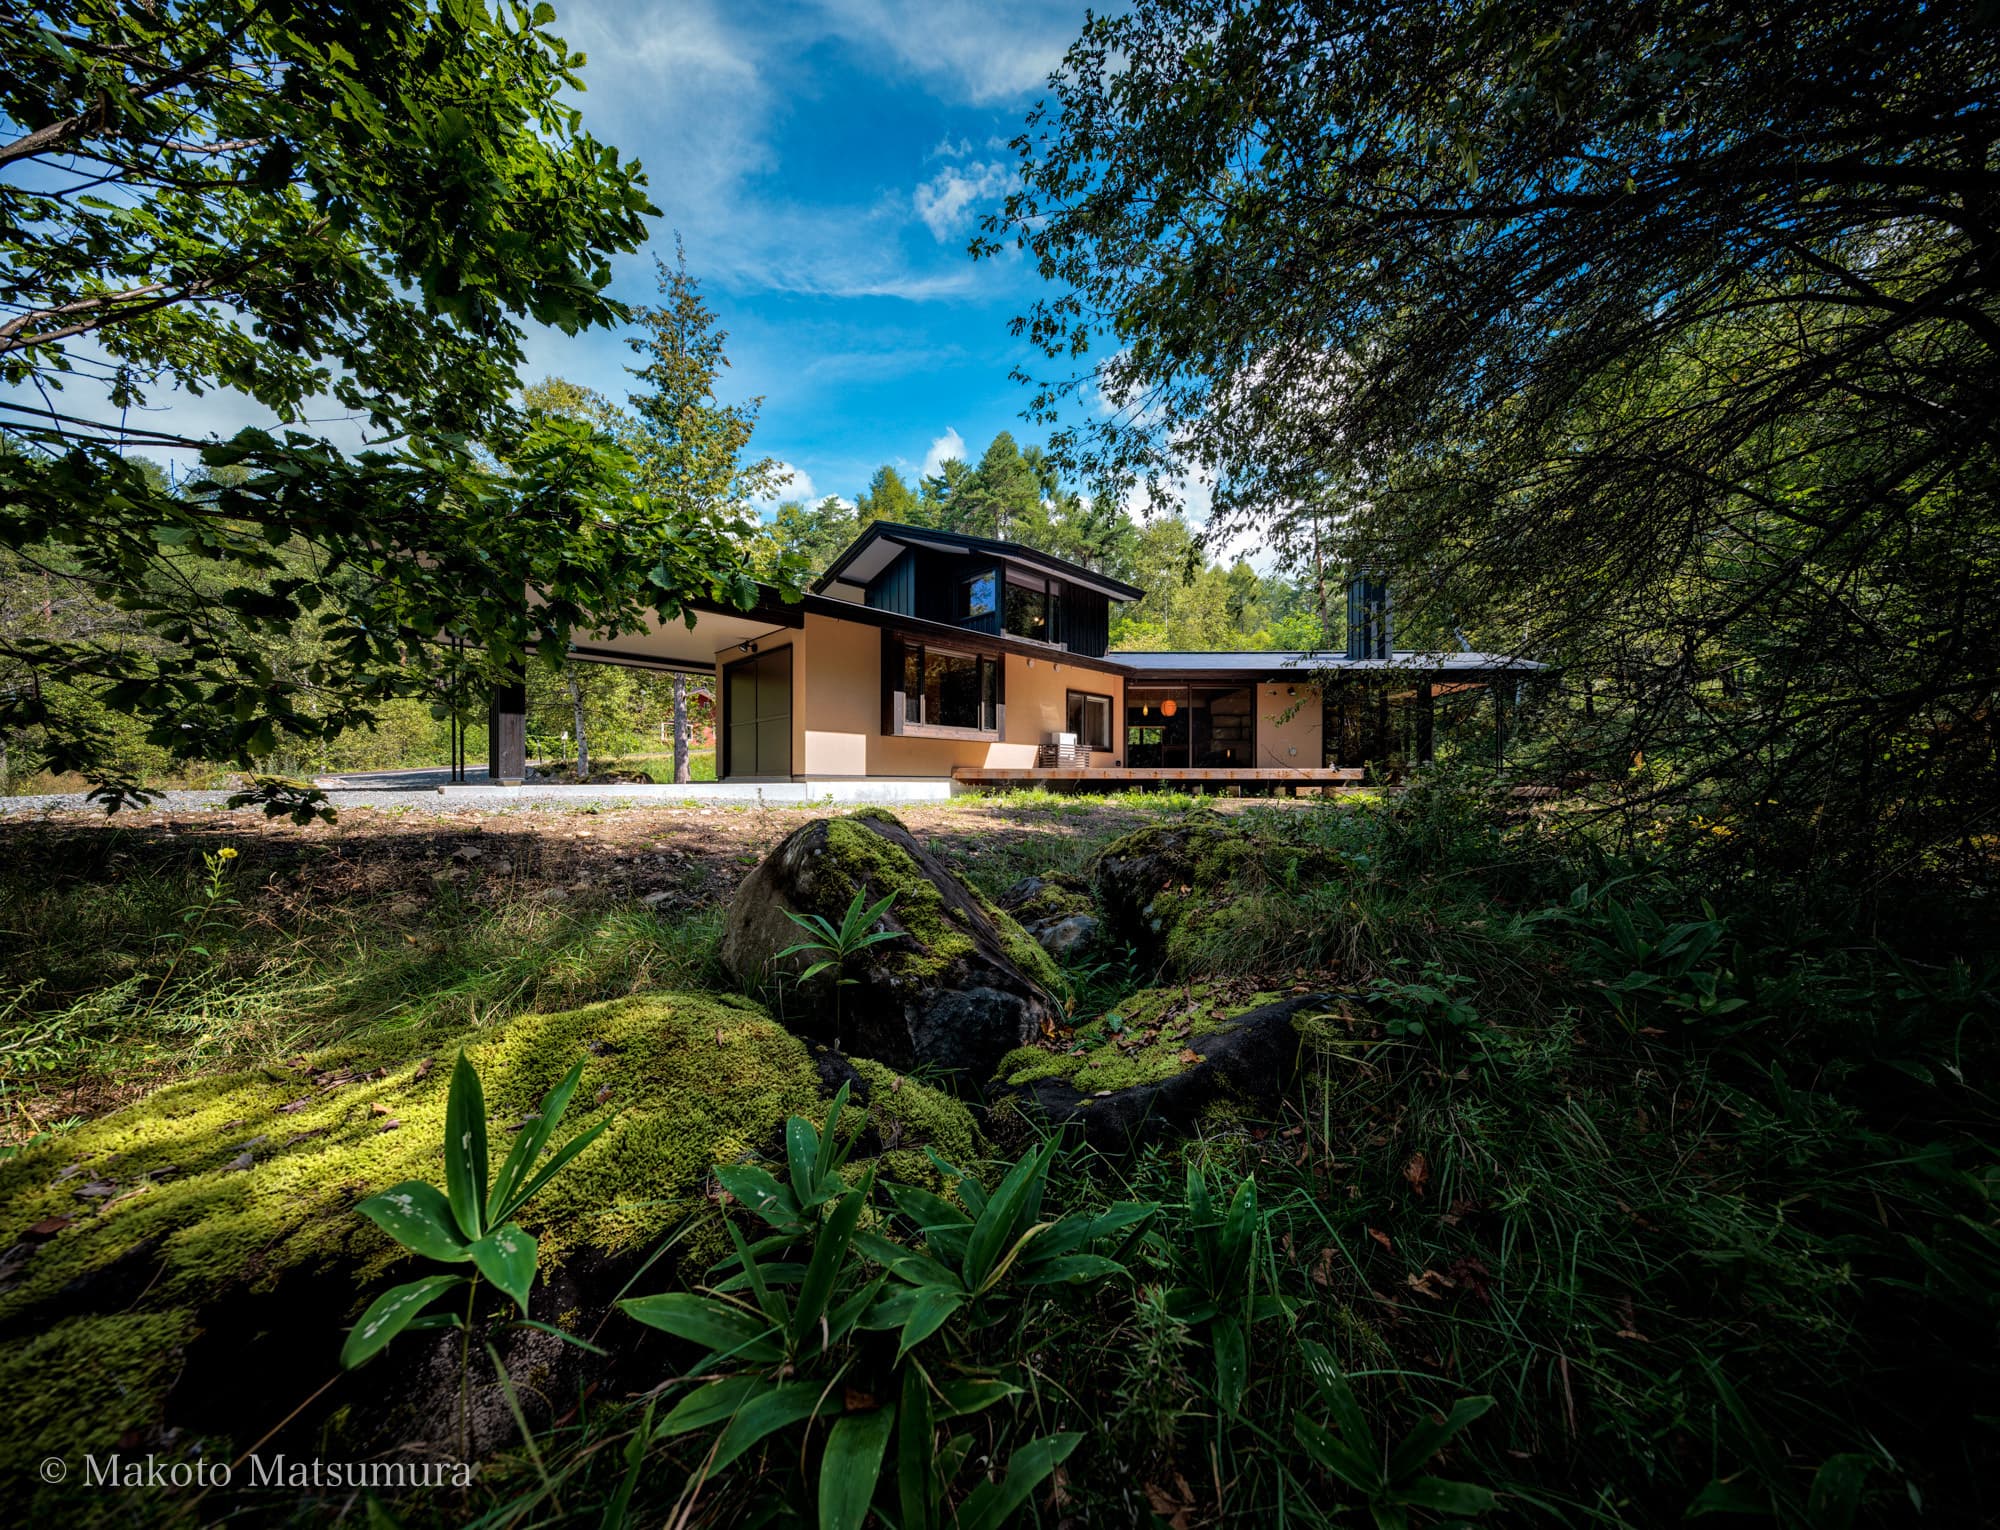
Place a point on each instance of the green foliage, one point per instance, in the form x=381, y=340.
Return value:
x=368, y=206
x=1393, y=1481
x=1231, y=1251
x=471, y=1220
x=284, y=797
x=782, y=1333
x=834, y=944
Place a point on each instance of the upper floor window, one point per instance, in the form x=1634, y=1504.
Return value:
x=978, y=596
x=1027, y=607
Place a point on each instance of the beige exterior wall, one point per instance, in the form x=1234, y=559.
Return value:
x=837, y=707
x=1293, y=742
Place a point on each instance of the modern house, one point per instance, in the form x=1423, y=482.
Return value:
x=929, y=655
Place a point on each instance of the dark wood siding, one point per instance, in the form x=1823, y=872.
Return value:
x=1086, y=622
x=895, y=588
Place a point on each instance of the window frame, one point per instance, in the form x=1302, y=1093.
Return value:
x=1110, y=718
x=995, y=596
x=897, y=721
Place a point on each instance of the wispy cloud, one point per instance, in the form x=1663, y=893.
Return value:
x=950, y=200
x=987, y=52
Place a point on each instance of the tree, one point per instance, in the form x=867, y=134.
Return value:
x=888, y=499
x=1658, y=340
x=321, y=208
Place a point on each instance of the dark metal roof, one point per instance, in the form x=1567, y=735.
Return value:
x=1236, y=663
x=863, y=567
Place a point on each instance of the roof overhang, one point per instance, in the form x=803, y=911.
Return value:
x=882, y=542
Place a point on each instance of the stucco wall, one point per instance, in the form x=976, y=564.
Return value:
x=1296, y=742
x=837, y=708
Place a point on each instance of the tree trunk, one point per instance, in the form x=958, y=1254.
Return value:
x=574, y=675
x=682, y=775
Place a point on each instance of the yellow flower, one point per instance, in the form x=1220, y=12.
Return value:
x=228, y=852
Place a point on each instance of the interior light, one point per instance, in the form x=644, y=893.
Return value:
x=1168, y=708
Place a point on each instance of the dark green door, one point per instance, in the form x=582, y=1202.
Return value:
x=757, y=696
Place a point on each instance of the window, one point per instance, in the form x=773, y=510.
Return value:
x=978, y=596
x=1090, y=719
x=945, y=690
x=1027, y=607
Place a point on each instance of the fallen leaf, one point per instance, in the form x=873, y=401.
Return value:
x=856, y=1401
x=241, y=1162
x=423, y=1068
x=895, y=1082
x=378, y=1109
x=1431, y=1284
x=1190, y=1056
x=49, y=1227
x=603, y=1094
x=1323, y=1267
x=1383, y=1239
x=294, y=1107
x=1418, y=1172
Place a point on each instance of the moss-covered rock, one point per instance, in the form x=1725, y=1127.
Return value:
x=1205, y=893
x=128, y=1237
x=1056, y=909
x=1167, y=1057
x=959, y=984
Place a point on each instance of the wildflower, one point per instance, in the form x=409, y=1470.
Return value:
x=228, y=852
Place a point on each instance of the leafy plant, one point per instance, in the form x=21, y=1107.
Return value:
x=1393, y=1481
x=469, y=1221
x=195, y=916
x=1641, y=960
x=281, y=797
x=791, y=1345
x=1434, y=998
x=1222, y=1297
x=835, y=943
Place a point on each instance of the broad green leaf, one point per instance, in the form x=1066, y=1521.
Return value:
x=972, y=1394
x=1232, y=1370
x=1442, y=1497
x=1836, y=1492
x=768, y=1302
x=417, y=1216
x=851, y=1465
x=707, y=1321
x=1356, y=1470
x=713, y=1403
x=994, y=1504
x=777, y=1409
x=829, y=1140
x=1417, y=1447
x=561, y=1156
x=465, y=1147
x=760, y=1193
x=528, y=1146
x=1072, y=1269
x=802, y=1158
x=1339, y=1399
x=916, y=1476
x=506, y=1256
x=997, y=1226
x=390, y=1313
x=928, y=1313
x=829, y=1253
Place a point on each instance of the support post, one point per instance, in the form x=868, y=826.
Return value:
x=1426, y=723
x=507, y=734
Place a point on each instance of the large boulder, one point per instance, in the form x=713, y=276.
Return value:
x=959, y=985
x=1165, y=1059
x=187, y=1267
x=1206, y=893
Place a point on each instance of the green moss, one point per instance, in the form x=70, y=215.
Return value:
x=861, y=857
x=688, y=1080
x=913, y=1117
x=1152, y=1031
x=81, y=1383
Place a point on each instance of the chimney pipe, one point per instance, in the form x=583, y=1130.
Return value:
x=1370, y=615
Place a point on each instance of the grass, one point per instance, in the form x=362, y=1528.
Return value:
x=1695, y=1179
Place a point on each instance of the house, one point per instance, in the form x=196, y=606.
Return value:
x=931, y=655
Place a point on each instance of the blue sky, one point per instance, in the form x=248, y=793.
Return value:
x=825, y=165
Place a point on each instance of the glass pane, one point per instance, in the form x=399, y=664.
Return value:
x=1027, y=611
x=978, y=596
x=958, y=691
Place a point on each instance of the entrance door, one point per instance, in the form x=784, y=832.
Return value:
x=757, y=693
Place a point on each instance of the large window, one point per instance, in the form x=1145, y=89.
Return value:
x=978, y=596
x=943, y=689
x=1090, y=719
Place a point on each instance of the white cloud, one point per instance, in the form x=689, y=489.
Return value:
x=988, y=52
x=950, y=444
x=949, y=200
x=788, y=482
x=946, y=149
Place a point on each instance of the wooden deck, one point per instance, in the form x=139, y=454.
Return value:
x=1175, y=775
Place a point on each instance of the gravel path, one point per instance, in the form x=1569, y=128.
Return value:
x=493, y=800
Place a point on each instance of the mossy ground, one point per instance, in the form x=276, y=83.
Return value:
x=1142, y=1040
x=688, y=1080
